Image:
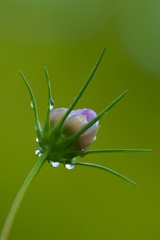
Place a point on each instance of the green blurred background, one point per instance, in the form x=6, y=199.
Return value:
x=67, y=37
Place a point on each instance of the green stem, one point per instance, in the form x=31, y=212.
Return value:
x=16, y=204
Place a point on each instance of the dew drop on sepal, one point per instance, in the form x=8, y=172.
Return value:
x=38, y=152
x=31, y=104
x=69, y=166
x=51, y=106
x=54, y=164
x=37, y=140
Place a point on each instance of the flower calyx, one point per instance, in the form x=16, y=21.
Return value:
x=68, y=133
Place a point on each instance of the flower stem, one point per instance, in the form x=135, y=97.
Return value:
x=16, y=204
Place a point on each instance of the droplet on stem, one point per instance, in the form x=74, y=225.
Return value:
x=69, y=166
x=54, y=164
x=38, y=152
x=51, y=106
x=31, y=104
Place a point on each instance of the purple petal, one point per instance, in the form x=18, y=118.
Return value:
x=90, y=114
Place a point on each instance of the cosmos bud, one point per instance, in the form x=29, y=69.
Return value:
x=76, y=120
x=56, y=115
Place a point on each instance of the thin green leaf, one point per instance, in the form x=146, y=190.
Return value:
x=69, y=141
x=84, y=153
x=50, y=102
x=106, y=169
x=34, y=106
x=117, y=151
x=55, y=133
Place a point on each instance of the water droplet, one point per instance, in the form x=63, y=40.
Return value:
x=69, y=166
x=37, y=140
x=97, y=123
x=51, y=106
x=38, y=152
x=54, y=164
x=31, y=104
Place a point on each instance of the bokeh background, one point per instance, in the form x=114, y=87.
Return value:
x=67, y=37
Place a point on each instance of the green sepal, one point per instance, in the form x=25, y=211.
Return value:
x=34, y=106
x=106, y=169
x=84, y=153
x=97, y=151
x=50, y=106
x=69, y=141
x=56, y=132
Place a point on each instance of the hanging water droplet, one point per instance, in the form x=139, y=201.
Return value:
x=38, y=152
x=31, y=104
x=69, y=166
x=37, y=140
x=51, y=106
x=54, y=164
x=94, y=138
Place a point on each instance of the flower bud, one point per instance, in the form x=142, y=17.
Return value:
x=56, y=115
x=76, y=120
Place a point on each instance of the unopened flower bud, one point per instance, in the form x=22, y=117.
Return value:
x=76, y=120
x=56, y=115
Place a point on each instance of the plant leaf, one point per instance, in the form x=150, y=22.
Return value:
x=33, y=103
x=106, y=169
x=50, y=102
x=55, y=133
x=69, y=141
x=117, y=151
